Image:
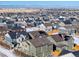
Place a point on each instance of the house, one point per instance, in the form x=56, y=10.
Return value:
x=62, y=30
x=21, y=23
x=61, y=24
x=41, y=44
x=55, y=25
x=67, y=22
x=48, y=26
x=38, y=22
x=37, y=45
x=46, y=19
x=55, y=20
x=10, y=24
x=2, y=20
x=45, y=27
x=53, y=32
x=30, y=21
x=62, y=18
x=42, y=27
x=16, y=27
x=70, y=30
x=3, y=28
x=62, y=41
x=12, y=35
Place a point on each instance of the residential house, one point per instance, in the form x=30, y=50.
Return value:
x=70, y=30
x=53, y=32
x=38, y=22
x=21, y=23
x=37, y=45
x=42, y=46
x=62, y=30
x=61, y=18
x=46, y=19
x=38, y=28
x=13, y=34
x=10, y=24
x=61, y=24
x=67, y=22
x=55, y=25
x=48, y=27
x=3, y=31
x=3, y=28
x=62, y=41
x=30, y=21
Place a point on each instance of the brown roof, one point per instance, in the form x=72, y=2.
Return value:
x=57, y=38
x=39, y=40
x=38, y=33
x=3, y=28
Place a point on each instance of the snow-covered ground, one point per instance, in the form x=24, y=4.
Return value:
x=76, y=40
x=68, y=55
x=7, y=52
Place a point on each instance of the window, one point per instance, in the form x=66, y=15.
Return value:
x=22, y=39
x=42, y=32
x=54, y=47
x=67, y=38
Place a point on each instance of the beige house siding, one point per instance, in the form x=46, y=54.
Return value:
x=44, y=50
x=70, y=44
x=32, y=49
x=27, y=49
x=52, y=40
x=49, y=49
x=24, y=47
x=36, y=51
x=39, y=51
x=62, y=42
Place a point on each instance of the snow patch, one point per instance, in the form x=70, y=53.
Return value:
x=7, y=52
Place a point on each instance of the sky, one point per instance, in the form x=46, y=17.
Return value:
x=43, y=4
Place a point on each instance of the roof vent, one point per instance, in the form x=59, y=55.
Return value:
x=40, y=36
